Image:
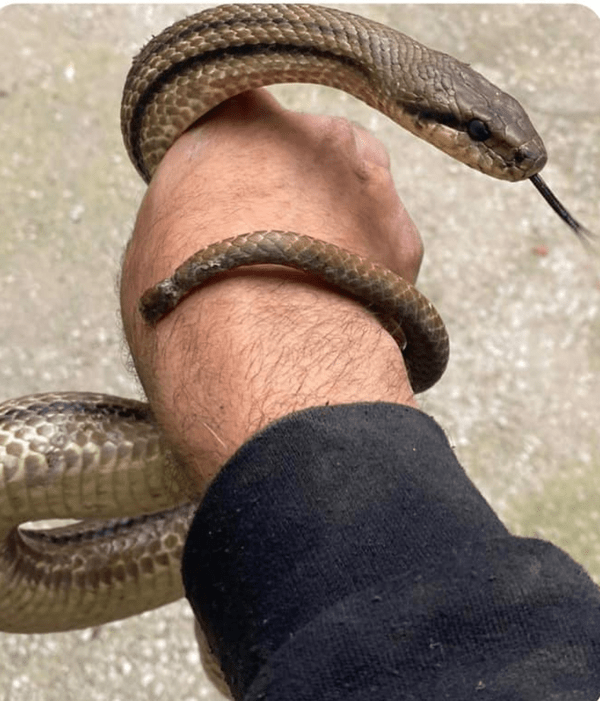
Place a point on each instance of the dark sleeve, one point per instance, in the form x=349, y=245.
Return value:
x=343, y=554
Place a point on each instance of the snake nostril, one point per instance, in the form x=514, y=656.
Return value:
x=522, y=155
x=529, y=160
x=526, y=156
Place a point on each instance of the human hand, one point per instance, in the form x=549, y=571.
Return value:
x=263, y=342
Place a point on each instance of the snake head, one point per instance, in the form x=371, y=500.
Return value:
x=471, y=119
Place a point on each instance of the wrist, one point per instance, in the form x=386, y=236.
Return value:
x=252, y=348
x=259, y=343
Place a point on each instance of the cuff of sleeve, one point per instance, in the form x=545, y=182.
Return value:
x=345, y=547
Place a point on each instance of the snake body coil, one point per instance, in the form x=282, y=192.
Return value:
x=85, y=456
x=202, y=60
x=91, y=456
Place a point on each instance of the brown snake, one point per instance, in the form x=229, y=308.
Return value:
x=93, y=456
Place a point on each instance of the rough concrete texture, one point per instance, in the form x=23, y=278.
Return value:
x=520, y=296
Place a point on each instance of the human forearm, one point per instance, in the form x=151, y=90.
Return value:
x=259, y=344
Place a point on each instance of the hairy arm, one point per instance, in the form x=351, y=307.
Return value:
x=262, y=342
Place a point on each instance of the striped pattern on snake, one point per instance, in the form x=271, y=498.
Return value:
x=91, y=456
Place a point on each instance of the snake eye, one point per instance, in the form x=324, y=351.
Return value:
x=478, y=131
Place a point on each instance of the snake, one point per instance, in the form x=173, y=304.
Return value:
x=101, y=459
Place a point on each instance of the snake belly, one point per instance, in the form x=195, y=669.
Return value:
x=90, y=456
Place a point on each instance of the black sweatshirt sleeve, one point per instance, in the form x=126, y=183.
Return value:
x=343, y=554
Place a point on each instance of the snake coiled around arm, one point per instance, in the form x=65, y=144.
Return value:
x=88, y=456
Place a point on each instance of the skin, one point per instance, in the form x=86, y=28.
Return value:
x=259, y=343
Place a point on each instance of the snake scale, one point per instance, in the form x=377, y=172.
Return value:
x=101, y=458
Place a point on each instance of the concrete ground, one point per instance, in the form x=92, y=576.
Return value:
x=519, y=295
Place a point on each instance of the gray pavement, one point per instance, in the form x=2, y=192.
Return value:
x=520, y=297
